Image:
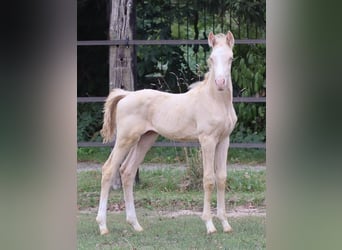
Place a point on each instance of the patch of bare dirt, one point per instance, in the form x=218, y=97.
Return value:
x=87, y=166
x=237, y=212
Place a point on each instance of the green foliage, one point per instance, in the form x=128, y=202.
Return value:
x=89, y=121
x=250, y=11
x=246, y=181
x=249, y=70
x=162, y=67
x=249, y=78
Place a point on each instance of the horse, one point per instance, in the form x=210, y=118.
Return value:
x=205, y=114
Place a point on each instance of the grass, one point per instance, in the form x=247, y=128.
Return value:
x=184, y=232
x=164, y=189
x=175, y=155
x=93, y=154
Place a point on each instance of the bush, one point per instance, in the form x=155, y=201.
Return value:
x=193, y=178
x=89, y=121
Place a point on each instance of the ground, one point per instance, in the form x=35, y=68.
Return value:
x=84, y=166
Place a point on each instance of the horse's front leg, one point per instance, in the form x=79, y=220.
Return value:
x=221, y=177
x=208, y=146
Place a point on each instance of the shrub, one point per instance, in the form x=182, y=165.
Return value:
x=89, y=121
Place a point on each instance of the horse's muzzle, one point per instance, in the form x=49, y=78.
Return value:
x=220, y=83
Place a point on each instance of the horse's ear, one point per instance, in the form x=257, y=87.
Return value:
x=230, y=39
x=211, y=39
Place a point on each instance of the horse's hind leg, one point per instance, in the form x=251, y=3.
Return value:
x=128, y=171
x=108, y=170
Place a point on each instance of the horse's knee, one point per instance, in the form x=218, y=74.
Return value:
x=126, y=177
x=221, y=182
x=107, y=176
x=208, y=183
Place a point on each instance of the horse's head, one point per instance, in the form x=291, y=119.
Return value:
x=221, y=58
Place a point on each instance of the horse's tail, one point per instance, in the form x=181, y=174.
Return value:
x=109, y=118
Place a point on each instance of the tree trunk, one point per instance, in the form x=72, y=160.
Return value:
x=122, y=59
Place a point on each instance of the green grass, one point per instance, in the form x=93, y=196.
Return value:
x=247, y=156
x=183, y=232
x=174, y=155
x=93, y=154
x=164, y=189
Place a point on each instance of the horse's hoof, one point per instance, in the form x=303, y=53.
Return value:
x=226, y=227
x=138, y=229
x=210, y=227
x=211, y=231
x=104, y=231
x=135, y=224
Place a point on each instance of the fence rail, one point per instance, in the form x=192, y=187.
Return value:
x=172, y=144
x=128, y=42
x=235, y=99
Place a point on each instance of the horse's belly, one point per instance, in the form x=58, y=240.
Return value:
x=174, y=131
x=175, y=126
x=179, y=135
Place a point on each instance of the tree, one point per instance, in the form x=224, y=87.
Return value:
x=122, y=62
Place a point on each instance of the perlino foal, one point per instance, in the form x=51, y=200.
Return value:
x=205, y=113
